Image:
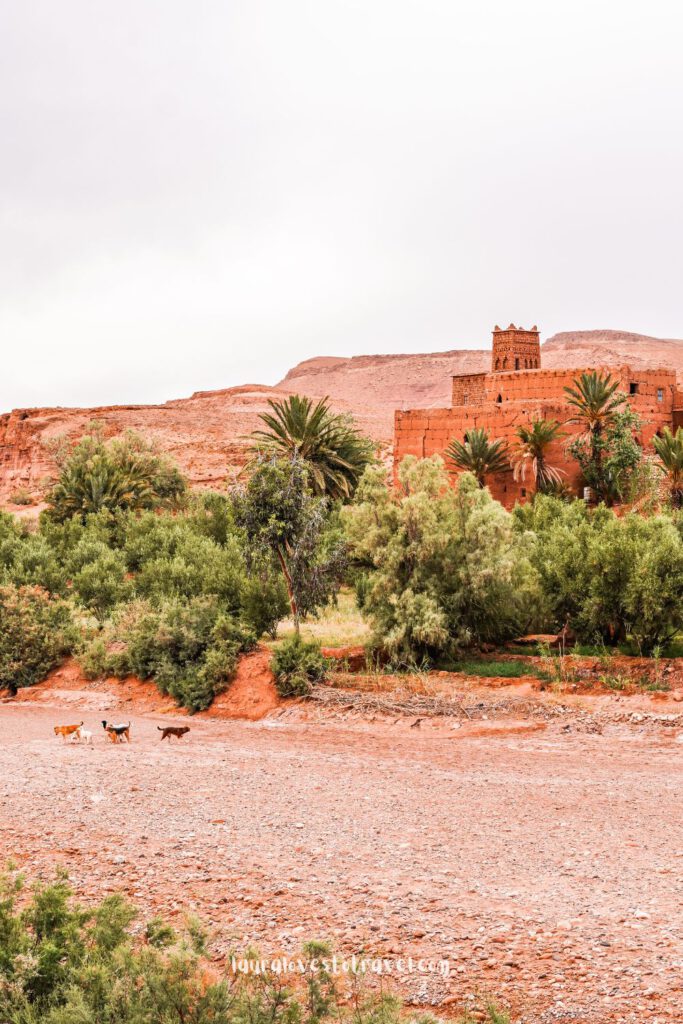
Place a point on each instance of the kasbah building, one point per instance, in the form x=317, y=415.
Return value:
x=517, y=391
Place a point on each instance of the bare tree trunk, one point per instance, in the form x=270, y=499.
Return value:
x=290, y=591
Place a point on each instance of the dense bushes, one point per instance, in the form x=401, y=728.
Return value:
x=175, y=596
x=607, y=577
x=190, y=648
x=170, y=594
x=123, y=474
x=296, y=665
x=36, y=631
x=443, y=568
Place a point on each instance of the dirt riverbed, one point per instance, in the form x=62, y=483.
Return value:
x=542, y=860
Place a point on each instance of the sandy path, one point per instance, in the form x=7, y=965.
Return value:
x=546, y=867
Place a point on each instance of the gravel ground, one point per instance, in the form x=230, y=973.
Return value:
x=545, y=865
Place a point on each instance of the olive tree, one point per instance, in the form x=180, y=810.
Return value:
x=445, y=568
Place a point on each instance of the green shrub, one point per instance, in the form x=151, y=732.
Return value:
x=22, y=496
x=198, y=566
x=190, y=649
x=445, y=569
x=296, y=665
x=126, y=473
x=101, y=581
x=212, y=515
x=94, y=659
x=28, y=559
x=608, y=577
x=264, y=603
x=36, y=632
x=361, y=589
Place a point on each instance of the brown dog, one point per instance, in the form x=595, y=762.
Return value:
x=173, y=730
x=66, y=730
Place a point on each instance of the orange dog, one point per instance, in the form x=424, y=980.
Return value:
x=66, y=730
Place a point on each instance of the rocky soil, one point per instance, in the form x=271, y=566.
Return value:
x=540, y=854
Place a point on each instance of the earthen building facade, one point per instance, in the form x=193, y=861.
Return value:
x=517, y=391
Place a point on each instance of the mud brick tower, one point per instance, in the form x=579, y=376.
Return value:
x=516, y=349
x=516, y=392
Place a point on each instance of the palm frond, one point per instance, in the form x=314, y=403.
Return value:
x=334, y=450
x=534, y=440
x=669, y=449
x=478, y=455
x=596, y=398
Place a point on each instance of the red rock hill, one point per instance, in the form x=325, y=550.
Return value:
x=205, y=433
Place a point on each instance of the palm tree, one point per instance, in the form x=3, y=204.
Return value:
x=478, y=455
x=123, y=475
x=87, y=487
x=597, y=402
x=333, y=449
x=669, y=448
x=534, y=440
x=593, y=395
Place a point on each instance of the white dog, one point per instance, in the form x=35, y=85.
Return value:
x=81, y=735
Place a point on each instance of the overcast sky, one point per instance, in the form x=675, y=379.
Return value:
x=200, y=194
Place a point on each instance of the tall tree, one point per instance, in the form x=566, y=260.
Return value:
x=478, y=455
x=534, y=441
x=280, y=515
x=333, y=449
x=597, y=401
x=669, y=448
x=445, y=569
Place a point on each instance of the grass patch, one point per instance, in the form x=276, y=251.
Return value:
x=630, y=649
x=340, y=625
x=615, y=682
x=497, y=669
x=653, y=685
x=674, y=649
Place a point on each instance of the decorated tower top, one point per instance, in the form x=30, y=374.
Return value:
x=515, y=348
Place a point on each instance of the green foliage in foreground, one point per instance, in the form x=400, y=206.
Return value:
x=296, y=665
x=62, y=963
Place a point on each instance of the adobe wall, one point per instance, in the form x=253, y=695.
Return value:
x=469, y=389
x=550, y=384
x=429, y=432
x=526, y=396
